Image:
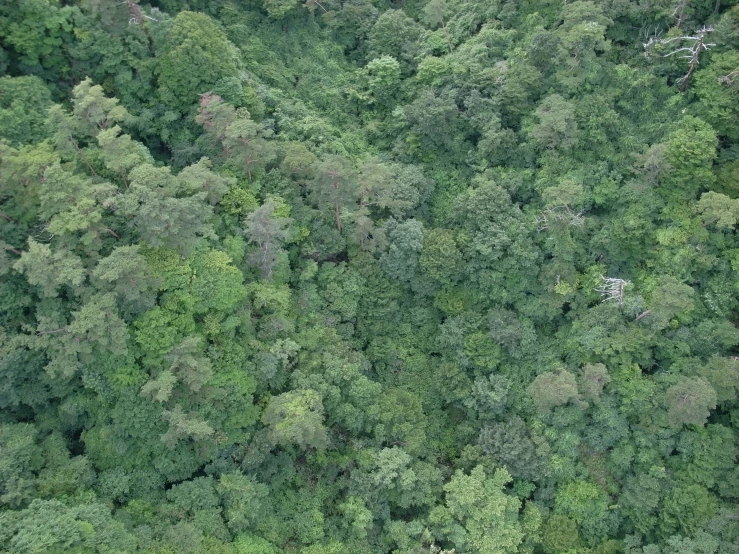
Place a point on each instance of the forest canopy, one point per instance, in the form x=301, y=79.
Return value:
x=369, y=277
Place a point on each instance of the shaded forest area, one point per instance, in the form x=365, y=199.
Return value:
x=366, y=277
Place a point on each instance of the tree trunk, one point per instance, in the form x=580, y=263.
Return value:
x=111, y=232
x=446, y=33
x=337, y=213
x=680, y=11
x=14, y=250
x=643, y=315
x=79, y=151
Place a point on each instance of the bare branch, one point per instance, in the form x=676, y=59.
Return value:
x=612, y=288
x=679, y=12
x=559, y=214
x=135, y=11
x=697, y=44
x=729, y=78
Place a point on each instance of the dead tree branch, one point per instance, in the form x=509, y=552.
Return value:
x=559, y=214
x=694, y=46
x=612, y=289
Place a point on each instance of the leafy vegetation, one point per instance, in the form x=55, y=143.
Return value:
x=361, y=276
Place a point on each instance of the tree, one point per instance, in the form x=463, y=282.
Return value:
x=687, y=509
x=121, y=153
x=688, y=47
x=195, y=58
x=21, y=458
x=556, y=127
x=199, y=177
x=613, y=289
x=246, y=139
x=93, y=111
x=497, y=243
x=24, y=102
x=240, y=136
x=640, y=498
x=581, y=37
x=189, y=364
x=441, y=258
x=245, y=500
x=489, y=517
x=182, y=426
x=718, y=209
x=723, y=376
x=719, y=99
x=216, y=284
x=490, y=396
x=297, y=417
x=378, y=189
x=593, y=378
x=559, y=534
x=433, y=14
x=435, y=124
x=126, y=273
x=278, y=9
x=397, y=35
x=51, y=526
x=50, y=270
x=38, y=35
x=514, y=447
x=71, y=202
x=334, y=185
x=159, y=215
x=95, y=332
x=691, y=150
x=515, y=333
x=586, y=503
x=297, y=160
x=689, y=401
x=382, y=76
x=669, y=300
x=405, y=243
x=554, y=389
x=269, y=234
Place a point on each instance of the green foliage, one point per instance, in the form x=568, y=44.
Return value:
x=383, y=79
x=556, y=127
x=691, y=149
x=594, y=378
x=396, y=35
x=687, y=508
x=297, y=417
x=559, y=534
x=196, y=57
x=515, y=447
x=278, y=9
x=719, y=98
x=405, y=239
x=553, y=389
x=689, y=401
x=158, y=215
x=48, y=269
x=23, y=105
x=478, y=503
x=50, y=526
x=441, y=258
x=268, y=233
x=334, y=276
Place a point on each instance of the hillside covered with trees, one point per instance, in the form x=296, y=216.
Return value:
x=369, y=277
